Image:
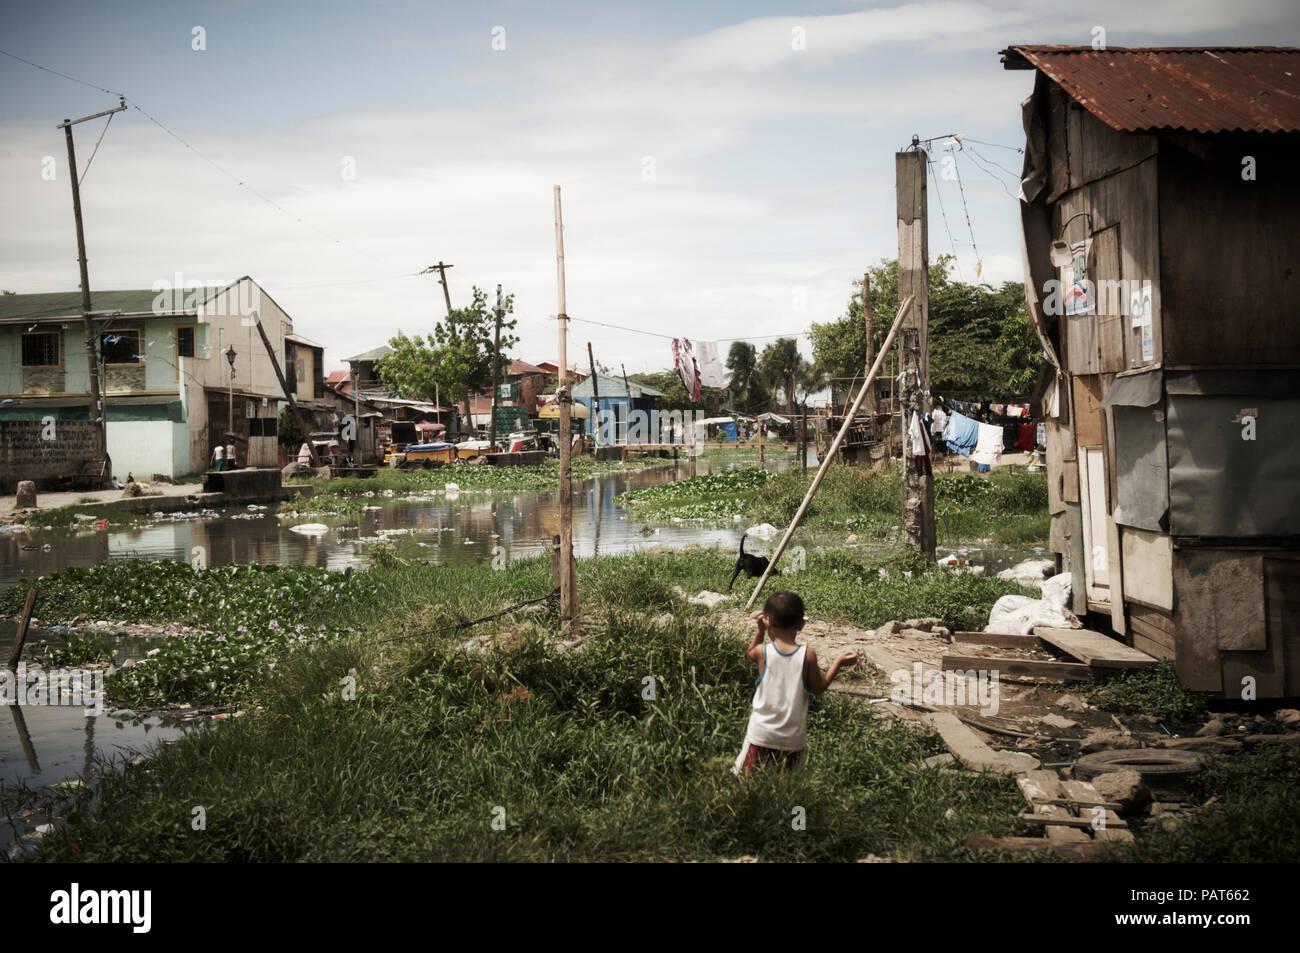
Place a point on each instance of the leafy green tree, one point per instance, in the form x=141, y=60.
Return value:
x=407, y=369
x=457, y=356
x=982, y=345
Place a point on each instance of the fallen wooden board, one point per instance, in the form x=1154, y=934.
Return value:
x=970, y=751
x=1089, y=850
x=1112, y=826
x=1094, y=649
x=1001, y=639
x=1020, y=668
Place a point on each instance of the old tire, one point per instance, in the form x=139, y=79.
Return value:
x=1158, y=766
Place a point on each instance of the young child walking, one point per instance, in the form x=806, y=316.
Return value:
x=787, y=672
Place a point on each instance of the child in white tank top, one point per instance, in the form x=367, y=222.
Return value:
x=788, y=672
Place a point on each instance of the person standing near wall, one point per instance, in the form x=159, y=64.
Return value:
x=218, y=457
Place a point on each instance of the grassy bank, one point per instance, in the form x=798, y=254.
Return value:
x=565, y=748
x=349, y=495
x=493, y=743
x=1009, y=507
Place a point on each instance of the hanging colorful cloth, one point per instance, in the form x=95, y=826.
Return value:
x=687, y=368
x=919, y=439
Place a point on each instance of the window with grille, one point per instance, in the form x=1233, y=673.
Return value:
x=41, y=349
x=120, y=346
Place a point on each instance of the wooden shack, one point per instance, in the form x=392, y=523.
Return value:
x=1161, y=223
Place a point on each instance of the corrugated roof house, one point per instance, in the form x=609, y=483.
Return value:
x=1161, y=217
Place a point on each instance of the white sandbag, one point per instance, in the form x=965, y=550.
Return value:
x=1019, y=614
x=1057, y=590
x=1027, y=573
x=762, y=531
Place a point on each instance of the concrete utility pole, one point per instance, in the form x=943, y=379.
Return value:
x=914, y=345
x=98, y=414
x=568, y=585
x=496, y=375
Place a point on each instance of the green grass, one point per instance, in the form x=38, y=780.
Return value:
x=1256, y=820
x=64, y=517
x=567, y=747
x=1153, y=691
x=1009, y=507
x=440, y=741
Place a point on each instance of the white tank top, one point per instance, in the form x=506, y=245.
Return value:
x=780, y=716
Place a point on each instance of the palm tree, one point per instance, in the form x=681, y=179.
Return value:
x=780, y=365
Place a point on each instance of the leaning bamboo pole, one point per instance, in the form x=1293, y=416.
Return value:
x=830, y=454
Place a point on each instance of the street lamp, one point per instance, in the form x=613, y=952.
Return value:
x=230, y=356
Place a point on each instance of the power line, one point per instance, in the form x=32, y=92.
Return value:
x=989, y=173
x=657, y=334
x=1014, y=175
x=979, y=263
x=95, y=150
x=944, y=212
x=224, y=171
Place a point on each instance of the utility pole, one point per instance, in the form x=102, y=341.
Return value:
x=914, y=346
x=627, y=388
x=496, y=375
x=595, y=397
x=441, y=269
x=98, y=414
x=568, y=587
x=871, y=350
x=356, y=414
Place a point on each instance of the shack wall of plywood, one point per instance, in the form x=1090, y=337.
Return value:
x=1235, y=616
x=1228, y=269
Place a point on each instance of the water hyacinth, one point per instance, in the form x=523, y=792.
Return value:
x=249, y=614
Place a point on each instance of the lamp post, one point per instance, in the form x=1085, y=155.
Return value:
x=230, y=356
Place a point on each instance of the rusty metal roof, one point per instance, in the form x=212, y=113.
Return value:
x=1196, y=89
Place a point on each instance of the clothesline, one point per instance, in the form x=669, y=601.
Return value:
x=658, y=334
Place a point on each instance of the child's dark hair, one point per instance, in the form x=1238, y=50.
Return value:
x=785, y=609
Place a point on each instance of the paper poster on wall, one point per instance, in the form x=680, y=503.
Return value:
x=1140, y=312
x=1080, y=298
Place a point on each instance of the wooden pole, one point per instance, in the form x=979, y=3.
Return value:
x=595, y=398
x=871, y=352
x=496, y=376
x=830, y=454
x=913, y=352
x=284, y=386
x=21, y=635
x=568, y=590
x=98, y=413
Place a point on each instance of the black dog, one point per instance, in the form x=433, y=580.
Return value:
x=753, y=566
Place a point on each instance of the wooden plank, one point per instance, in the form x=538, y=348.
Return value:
x=1091, y=850
x=1148, y=568
x=1000, y=639
x=1093, y=648
x=1040, y=787
x=967, y=747
x=1049, y=820
x=1113, y=827
x=1157, y=650
x=20, y=636
x=1021, y=668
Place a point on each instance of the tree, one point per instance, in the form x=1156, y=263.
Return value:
x=982, y=345
x=457, y=356
x=780, y=365
x=747, y=391
x=407, y=369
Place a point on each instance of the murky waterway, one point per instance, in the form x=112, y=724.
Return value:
x=45, y=744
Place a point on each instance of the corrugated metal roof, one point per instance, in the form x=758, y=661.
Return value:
x=1195, y=89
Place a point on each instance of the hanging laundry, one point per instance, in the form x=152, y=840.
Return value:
x=961, y=434
x=687, y=367
x=918, y=439
x=712, y=373
x=989, y=445
x=1040, y=435
x=1025, y=437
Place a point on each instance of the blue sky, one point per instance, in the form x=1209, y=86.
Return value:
x=773, y=174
